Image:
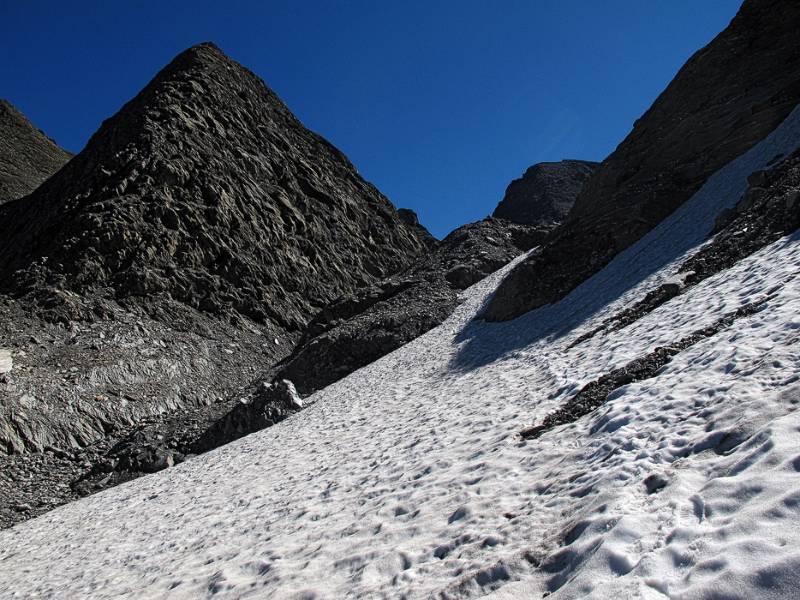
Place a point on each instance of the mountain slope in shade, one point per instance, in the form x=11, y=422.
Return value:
x=203, y=189
x=27, y=156
x=545, y=193
x=726, y=98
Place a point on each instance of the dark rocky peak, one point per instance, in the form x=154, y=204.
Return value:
x=410, y=218
x=204, y=189
x=726, y=98
x=27, y=155
x=544, y=195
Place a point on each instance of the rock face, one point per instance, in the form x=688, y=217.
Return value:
x=411, y=220
x=27, y=156
x=545, y=194
x=361, y=327
x=726, y=98
x=206, y=190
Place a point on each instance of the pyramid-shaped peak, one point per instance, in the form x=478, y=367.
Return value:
x=206, y=189
x=200, y=55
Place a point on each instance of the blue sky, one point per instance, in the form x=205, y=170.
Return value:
x=440, y=104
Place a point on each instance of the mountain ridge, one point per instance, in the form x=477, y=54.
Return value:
x=727, y=97
x=27, y=155
x=185, y=190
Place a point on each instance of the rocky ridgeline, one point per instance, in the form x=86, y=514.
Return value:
x=27, y=156
x=206, y=190
x=726, y=98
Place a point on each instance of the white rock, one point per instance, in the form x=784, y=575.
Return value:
x=6, y=362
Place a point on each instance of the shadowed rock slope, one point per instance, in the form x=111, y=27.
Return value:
x=27, y=156
x=410, y=218
x=727, y=97
x=545, y=193
x=204, y=189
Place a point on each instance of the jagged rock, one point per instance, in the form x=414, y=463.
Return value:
x=268, y=404
x=367, y=324
x=203, y=189
x=756, y=221
x=27, y=156
x=545, y=193
x=725, y=99
x=143, y=453
x=410, y=219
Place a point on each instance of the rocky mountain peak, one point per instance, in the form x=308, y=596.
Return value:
x=546, y=192
x=204, y=189
x=27, y=155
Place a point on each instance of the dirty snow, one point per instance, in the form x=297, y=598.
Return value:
x=408, y=479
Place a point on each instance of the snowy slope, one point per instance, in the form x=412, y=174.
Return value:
x=408, y=479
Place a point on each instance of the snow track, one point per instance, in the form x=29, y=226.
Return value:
x=408, y=479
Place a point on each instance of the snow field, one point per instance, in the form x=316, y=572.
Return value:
x=408, y=479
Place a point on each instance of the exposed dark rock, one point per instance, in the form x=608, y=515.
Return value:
x=726, y=98
x=655, y=483
x=594, y=394
x=545, y=194
x=268, y=404
x=204, y=189
x=768, y=210
x=27, y=156
x=363, y=326
x=410, y=218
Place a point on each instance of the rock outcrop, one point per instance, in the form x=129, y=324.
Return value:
x=206, y=190
x=726, y=98
x=545, y=194
x=27, y=156
x=361, y=327
x=411, y=220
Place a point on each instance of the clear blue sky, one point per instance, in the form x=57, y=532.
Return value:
x=440, y=104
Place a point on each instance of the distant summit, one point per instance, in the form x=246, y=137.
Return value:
x=545, y=193
x=204, y=189
x=27, y=156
